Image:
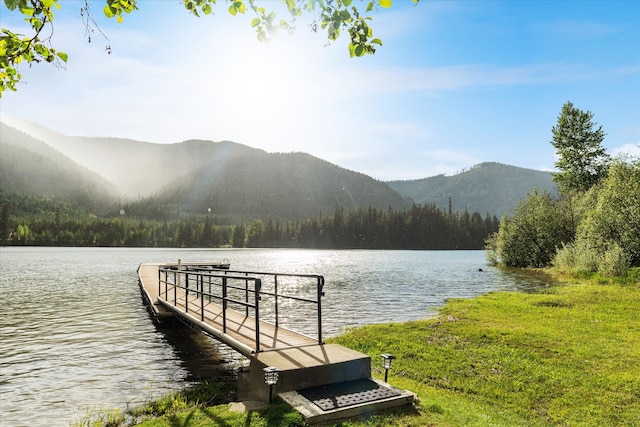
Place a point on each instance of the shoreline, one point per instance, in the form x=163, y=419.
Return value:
x=565, y=355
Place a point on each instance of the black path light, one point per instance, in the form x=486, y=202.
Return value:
x=270, y=379
x=387, y=362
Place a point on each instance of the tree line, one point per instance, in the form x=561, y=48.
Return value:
x=420, y=227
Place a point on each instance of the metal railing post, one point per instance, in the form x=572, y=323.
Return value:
x=258, y=285
x=176, y=282
x=186, y=292
x=166, y=284
x=320, y=295
x=224, y=305
x=275, y=291
x=246, y=295
x=201, y=297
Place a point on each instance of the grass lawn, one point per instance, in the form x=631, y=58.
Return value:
x=568, y=356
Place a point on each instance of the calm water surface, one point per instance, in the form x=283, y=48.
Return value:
x=75, y=337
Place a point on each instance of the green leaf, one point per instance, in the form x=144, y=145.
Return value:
x=377, y=41
x=344, y=15
x=27, y=11
x=255, y=22
x=385, y=3
x=291, y=5
x=352, y=50
x=63, y=56
x=206, y=8
x=370, y=6
x=108, y=12
x=12, y=4
x=232, y=10
x=346, y=3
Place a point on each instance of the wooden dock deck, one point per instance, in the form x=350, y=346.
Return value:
x=240, y=329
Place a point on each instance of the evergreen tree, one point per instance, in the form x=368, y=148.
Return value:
x=207, y=236
x=582, y=160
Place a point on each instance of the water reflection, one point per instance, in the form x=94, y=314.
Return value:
x=203, y=357
x=524, y=280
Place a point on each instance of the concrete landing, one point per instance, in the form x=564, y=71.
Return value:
x=302, y=367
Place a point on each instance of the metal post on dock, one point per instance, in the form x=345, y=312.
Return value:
x=176, y=281
x=202, y=298
x=320, y=295
x=258, y=286
x=224, y=305
x=275, y=291
x=246, y=294
x=186, y=292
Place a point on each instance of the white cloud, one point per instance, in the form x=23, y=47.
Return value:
x=628, y=149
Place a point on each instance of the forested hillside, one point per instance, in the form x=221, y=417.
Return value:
x=225, y=179
x=203, y=193
x=262, y=185
x=30, y=168
x=491, y=188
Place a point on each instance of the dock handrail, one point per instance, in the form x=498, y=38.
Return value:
x=184, y=276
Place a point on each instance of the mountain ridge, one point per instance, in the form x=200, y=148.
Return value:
x=478, y=187
x=231, y=179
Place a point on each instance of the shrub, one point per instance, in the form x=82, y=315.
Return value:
x=577, y=257
x=530, y=238
x=614, y=262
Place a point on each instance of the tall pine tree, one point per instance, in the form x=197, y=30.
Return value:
x=582, y=160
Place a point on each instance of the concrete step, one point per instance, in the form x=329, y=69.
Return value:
x=338, y=401
x=302, y=367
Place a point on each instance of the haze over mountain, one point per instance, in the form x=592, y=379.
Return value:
x=32, y=168
x=230, y=179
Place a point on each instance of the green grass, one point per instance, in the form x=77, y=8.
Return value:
x=568, y=356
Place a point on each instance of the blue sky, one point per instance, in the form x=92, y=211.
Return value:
x=455, y=83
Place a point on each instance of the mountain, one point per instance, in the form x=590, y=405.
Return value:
x=31, y=168
x=231, y=180
x=271, y=185
x=136, y=168
x=194, y=176
x=492, y=188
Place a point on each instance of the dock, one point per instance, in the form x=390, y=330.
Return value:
x=248, y=311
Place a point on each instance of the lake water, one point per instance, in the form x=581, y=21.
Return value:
x=75, y=337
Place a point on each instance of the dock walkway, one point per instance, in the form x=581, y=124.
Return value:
x=306, y=366
x=240, y=329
